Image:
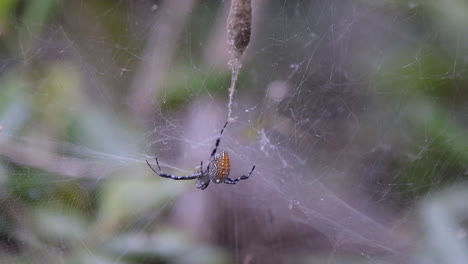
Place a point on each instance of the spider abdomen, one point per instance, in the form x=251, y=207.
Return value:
x=220, y=167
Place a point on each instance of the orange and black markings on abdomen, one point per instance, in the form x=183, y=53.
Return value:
x=220, y=167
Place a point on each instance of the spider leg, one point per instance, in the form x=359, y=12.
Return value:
x=218, y=140
x=174, y=177
x=243, y=177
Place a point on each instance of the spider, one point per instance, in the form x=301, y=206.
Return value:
x=217, y=170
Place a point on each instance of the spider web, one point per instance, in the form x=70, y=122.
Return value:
x=353, y=112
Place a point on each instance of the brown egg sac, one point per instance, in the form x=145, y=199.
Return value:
x=239, y=27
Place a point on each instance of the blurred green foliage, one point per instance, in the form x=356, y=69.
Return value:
x=49, y=218
x=184, y=86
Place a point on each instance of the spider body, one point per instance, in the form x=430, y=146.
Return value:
x=217, y=170
x=220, y=167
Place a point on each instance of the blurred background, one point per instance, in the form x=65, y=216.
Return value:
x=355, y=114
